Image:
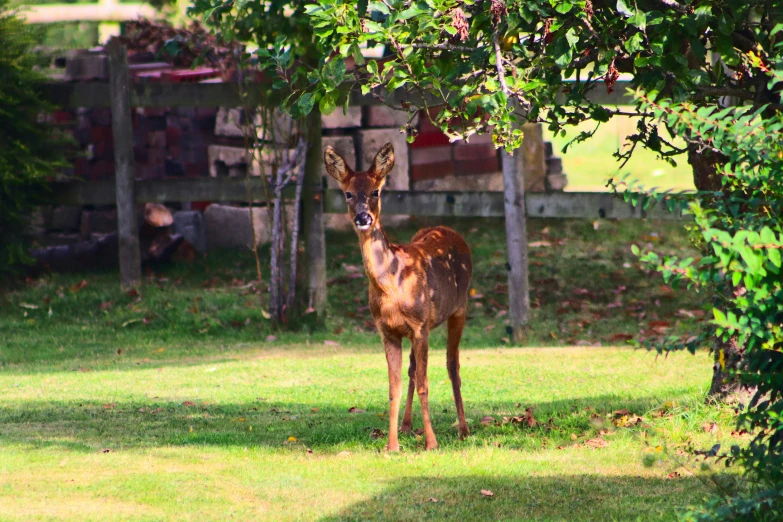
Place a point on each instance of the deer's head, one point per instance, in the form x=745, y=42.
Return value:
x=362, y=189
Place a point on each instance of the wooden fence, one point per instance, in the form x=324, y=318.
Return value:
x=125, y=192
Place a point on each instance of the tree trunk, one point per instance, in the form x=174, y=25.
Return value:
x=724, y=384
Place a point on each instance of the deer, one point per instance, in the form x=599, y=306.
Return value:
x=413, y=288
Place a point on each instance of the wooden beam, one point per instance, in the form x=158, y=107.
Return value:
x=108, y=12
x=122, y=129
x=516, y=232
x=577, y=205
x=96, y=94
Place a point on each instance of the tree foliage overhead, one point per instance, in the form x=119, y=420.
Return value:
x=471, y=57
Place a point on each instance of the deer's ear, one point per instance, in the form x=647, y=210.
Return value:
x=384, y=161
x=335, y=165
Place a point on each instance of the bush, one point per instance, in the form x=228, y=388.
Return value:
x=741, y=233
x=30, y=149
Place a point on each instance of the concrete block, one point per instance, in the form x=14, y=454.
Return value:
x=229, y=227
x=230, y=122
x=190, y=225
x=429, y=155
x=492, y=182
x=554, y=165
x=371, y=141
x=225, y=160
x=337, y=120
x=345, y=147
x=556, y=182
x=66, y=218
x=98, y=222
x=383, y=116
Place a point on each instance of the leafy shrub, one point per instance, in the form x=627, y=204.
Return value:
x=741, y=232
x=30, y=149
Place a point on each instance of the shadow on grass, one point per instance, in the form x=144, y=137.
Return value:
x=576, y=497
x=91, y=425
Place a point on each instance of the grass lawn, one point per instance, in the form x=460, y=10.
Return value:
x=177, y=404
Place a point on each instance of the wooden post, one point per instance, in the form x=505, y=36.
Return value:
x=516, y=244
x=122, y=128
x=313, y=218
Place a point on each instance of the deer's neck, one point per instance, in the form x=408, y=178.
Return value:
x=380, y=259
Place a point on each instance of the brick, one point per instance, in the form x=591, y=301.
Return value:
x=82, y=136
x=371, y=141
x=82, y=167
x=156, y=156
x=149, y=172
x=153, y=112
x=157, y=139
x=430, y=139
x=103, y=150
x=427, y=155
x=63, y=117
x=554, y=166
x=345, y=147
x=155, y=123
x=100, y=117
x=477, y=166
x=98, y=134
x=338, y=120
x=466, y=151
x=548, y=149
x=66, y=218
x=140, y=154
x=174, y=152
x=383, y=116
x=195, y=170
x=173, y=168
x=102, y=170
x=432, y=170
x=173, y=136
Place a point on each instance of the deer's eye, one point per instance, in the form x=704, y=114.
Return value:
x=348, y=195
x=375, y=193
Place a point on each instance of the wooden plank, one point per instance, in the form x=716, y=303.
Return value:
x=96, y=94
x=122, y=128
x=111, y=12
x=516, y=235
x=577, y=205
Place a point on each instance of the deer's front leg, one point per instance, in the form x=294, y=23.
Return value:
x=420, y=345
x=407, y=417
x=392, y=343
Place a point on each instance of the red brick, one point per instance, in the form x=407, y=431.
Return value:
x=102, y=170
x=477, y=166
x=103, y=150
x=426, y=155
x=140, y=154
x=430, y=139
x=98, y=134
x=82, y=168
x=432, y=170
x=175, y=152
x=63, y=117
x=157, y=139
x=195, y=170
x=465, y=151
x=149, y=171
x=173, y=136
x=156, y=156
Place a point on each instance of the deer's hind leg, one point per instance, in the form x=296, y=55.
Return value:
x=456, y=325
x=392, y=344
x=407, y=418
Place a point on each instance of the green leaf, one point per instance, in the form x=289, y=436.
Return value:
x=378, y=6
x=634, y=43
x=623, y=9
x=305, y=103
x=563, y=7
x=327, y=104
x=774, y=256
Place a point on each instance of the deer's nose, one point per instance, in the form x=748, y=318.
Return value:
x=363, y=219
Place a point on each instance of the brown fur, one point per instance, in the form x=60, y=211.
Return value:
x=413, y=289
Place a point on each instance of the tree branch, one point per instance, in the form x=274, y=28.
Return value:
x=674, y=5
x=499, y=63
x=704, y=92
x=445, y=47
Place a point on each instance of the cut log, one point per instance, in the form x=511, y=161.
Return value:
x=156, y=246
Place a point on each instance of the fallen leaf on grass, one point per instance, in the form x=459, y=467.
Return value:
x=188, y=404
x=331, y=343
x=315, y=409
x=78, y=286
x=488, y=420
x=433, y=500
x=105, y=305
x=536, y=244
x=291, y=439
x=270, y=338
x=487, y=493
x=29, y=306
x=344, y=454
x=673, y=475
x=710, y=427
x=621, y=337
x=106, y=450
x=377, y=433
x=354, y=409
x=109, y=406
x=596, y=443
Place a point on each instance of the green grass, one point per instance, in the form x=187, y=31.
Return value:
x=193, y=414
x=590, y=164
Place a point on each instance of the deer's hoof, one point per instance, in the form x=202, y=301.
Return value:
x=393, y=447
x=431, y=446
x=406, y=428
x=464, y=432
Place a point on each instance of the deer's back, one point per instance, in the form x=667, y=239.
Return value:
x=449, y=269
